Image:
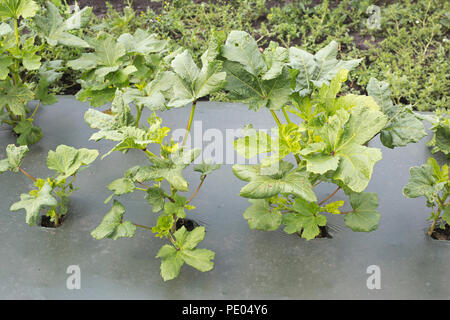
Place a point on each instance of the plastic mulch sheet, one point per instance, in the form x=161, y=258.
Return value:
x=249, y=264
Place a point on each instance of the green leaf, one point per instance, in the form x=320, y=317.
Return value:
x=364, y=217
x=446, y=214
x=171, y=262
x=142, y=42
x=442, y=138
x=30, y=60
x=333, y=207
x=173, y=258
x=5, y=63
x=17, y=8
x=425, y=182
x=79, y=19
x=316, y=70
x=28, y=132
x=189, y=240
x=191, y=83
x=261, y=216
x=242, y=48
x=122, y=186
x=206, y=168
x=296, y=183
x=329, y=66
x=177, y=207
x=155, y=197
x=112, y=225
x=14, y=157
x=172, y=169
x=34, y=204
x=275, y=58
x=16, y=97
x=304, y=63
x=199, y=259
x=153, y=96
x=163, y=226
x=440, y=122
x=403, y=125
x=5, y=29
x=104, y=69
x=305, y=217
x=120, y=116
x=262, y=186
x=244, y=87
x=42, y=93
x=246, y=172
x=67, y=161
x=54, y=29
x=253, y=78
x=344, y=136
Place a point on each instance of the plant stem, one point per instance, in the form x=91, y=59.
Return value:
x=142, y=184
x=35, y=109
x=138, y=115
x=188, y=127
x=328, y=198
x=56, y=220
x=437, y=217
x=142, y=189
x=286, y=115
x=27, y=174
x=150, y=154
x=16, y=62
x=277, y=120
x=143, y=227
x=171, y=199
x=16, y=33
x=172, y=240
x=196, y=191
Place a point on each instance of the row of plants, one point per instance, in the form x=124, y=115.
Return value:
x=323, y=138
x=25, y=36
x=409, y=49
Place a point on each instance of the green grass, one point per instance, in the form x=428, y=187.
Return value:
x=410, y=50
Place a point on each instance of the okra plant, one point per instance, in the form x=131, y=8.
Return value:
x=23, y=35
x=328, y=138
x=162, y=179
x=51, y=193
x=433, y=183
x=128, y=63
x=429, y=180
x=440, y=126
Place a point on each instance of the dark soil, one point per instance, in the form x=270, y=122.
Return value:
x=46, y=223
x=441, y=234
x=187, y=223
x=324, y=234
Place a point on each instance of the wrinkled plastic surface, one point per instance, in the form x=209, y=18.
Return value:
x=249, y=264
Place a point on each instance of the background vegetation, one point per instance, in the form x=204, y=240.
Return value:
x=409, y=50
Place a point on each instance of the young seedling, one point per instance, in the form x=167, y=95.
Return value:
x=329, y=143
x=433, y=183
x=52, y=193
x=163, y=170
x=20, y=60
x=162, y=180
